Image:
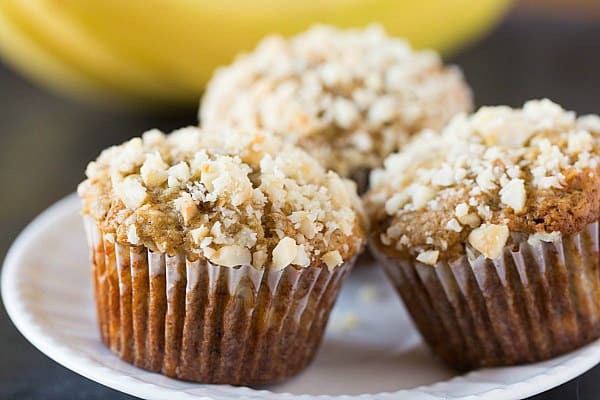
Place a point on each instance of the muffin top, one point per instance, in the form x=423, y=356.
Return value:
x=350, y=97
x=233, y=199
x=497, y=177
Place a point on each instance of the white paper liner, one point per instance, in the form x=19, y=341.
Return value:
x=202, y=322
x=531, y=304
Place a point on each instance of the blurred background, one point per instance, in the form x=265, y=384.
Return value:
x=76, y=77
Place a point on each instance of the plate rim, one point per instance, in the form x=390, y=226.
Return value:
x=93, y=370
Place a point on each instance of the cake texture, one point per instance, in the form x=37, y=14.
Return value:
x=217, y=256
x=348, y=97
x=489, y=230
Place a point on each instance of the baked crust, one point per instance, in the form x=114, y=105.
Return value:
x=349, y=97
x=486, y=181
x=231, y=198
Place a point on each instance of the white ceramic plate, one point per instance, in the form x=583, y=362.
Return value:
x=371, y=350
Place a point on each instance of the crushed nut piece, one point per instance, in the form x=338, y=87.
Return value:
x=225, y=195
x=513, y=195
x=332, y=259
x=429, y=257
x=154, y=170
x=453, y=225
x=284, y=253
x=186, y=207
x=132, y=235
x=531, y=169
x=231, y=256
x=538, y=237
x=131, y=192
x=199, y=234
x=489, y=240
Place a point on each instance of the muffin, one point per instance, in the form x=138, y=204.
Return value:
x=348, y=97
x=489, y=231
x=217, y=256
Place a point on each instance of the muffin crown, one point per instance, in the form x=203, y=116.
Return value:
x=351, y=97
x=234, y=199
x=498, y=176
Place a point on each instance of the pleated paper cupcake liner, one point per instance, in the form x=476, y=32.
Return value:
x=531, y=304
x=201, y=322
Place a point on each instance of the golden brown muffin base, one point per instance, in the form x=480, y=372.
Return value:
x=206, y=323
x=531, y=304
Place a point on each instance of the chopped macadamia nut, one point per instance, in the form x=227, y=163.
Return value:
x=470, y=219
x=513, y=195
x=284, y=253
x=178, y=174
x=428, y=257
x=186, y=207
x=132, y=235
x=454, y=225
x=332, y=259
x=537, y=238
x=345, y=113
x=231, y=256
x=461, y=210
x=349, y=97
x=421, y=195
x=487, y=180
x=131, y=192
x=229, y=197
x=489, y=240
x=301, y=258
x=154, y=170
x=259, y=258
x=199, y=234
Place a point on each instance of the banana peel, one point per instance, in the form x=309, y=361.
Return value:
x=153, y=51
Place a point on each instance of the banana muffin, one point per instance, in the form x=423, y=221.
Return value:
x=489, y=231
x=217, y=256
x=348, y=97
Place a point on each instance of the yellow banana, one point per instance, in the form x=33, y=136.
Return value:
x=164, y=51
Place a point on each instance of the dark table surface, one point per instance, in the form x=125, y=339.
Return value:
x=46, y=141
